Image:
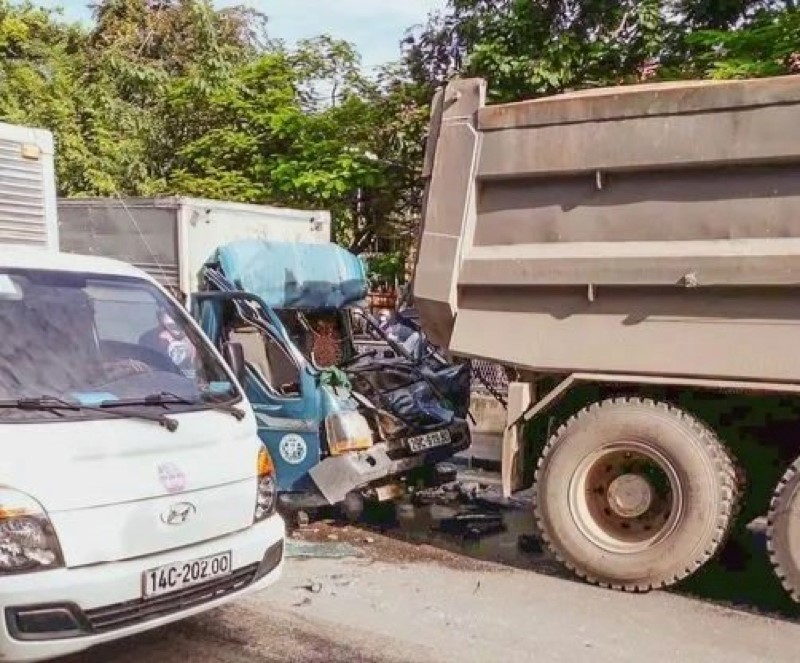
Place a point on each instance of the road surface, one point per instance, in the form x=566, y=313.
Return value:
x=400, y=603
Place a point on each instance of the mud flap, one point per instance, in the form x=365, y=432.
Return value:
x=520, y=397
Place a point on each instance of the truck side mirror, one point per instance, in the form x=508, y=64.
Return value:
x=233, y=353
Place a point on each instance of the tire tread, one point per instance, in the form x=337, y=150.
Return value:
x=725, y=469
x=779, y=503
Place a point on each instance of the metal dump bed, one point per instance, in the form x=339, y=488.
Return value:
x=650, y=229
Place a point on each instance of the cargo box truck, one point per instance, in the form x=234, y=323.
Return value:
x=27, y=187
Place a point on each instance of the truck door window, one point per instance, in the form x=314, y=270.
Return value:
x=268, y=360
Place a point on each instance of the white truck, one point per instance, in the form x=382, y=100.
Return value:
x=134, y=488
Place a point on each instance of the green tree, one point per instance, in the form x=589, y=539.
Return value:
x=768, y=45
x=177, y=97
x=530, y=48
x=304, y=128
x=43, y=83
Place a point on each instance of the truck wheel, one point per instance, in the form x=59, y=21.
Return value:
x=783, y=530
x=634, y=495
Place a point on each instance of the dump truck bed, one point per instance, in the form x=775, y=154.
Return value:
x=651, y=229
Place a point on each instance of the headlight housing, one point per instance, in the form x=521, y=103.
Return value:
x=27, y=539
x=267, y=489
x=346, y=432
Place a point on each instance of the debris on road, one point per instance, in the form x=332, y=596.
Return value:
x=313, y=587
x=473, y=525
x=529, y=543
x=295, y=548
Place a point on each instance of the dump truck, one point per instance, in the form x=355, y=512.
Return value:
x=640, y=243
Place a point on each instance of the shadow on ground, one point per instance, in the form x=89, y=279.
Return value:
x=741, y=577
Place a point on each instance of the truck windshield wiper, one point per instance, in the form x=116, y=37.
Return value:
x=165, y=398
x=55, y=404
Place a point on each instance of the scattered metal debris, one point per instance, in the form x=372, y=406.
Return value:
x=447, y=473
x=473, y=525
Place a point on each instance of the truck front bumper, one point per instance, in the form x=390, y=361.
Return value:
x=336, y=476
x=60, y=612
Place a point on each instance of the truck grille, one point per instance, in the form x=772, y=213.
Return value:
x=131, y=613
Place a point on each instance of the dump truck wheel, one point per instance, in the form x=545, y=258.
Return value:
x=634, y=495
x=783, y=531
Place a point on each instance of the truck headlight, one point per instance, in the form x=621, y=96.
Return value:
x=267, y=490
x=346, y=432
x=27, y=539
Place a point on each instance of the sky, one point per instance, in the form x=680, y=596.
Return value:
x=374, y=26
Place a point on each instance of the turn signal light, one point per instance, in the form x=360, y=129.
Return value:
x=265, y=465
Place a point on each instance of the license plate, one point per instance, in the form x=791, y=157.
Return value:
x=172, y=577
x=429, y=441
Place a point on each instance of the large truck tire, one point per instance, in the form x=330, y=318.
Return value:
x=634, y=495
x=783, y=531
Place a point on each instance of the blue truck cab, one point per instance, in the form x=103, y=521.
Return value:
x=338, y=425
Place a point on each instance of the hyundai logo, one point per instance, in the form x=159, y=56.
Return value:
x=178, y=514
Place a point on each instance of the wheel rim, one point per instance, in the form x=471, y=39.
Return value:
x=626, y=497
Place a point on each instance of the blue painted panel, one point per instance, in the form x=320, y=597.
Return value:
x=295, y=276
x=289, y=427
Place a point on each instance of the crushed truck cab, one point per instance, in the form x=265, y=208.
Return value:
x=338, y=425
x=269, y=282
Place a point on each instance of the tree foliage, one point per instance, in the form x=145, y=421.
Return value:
x=177, y=97
x=529, y=48
x=768, y=46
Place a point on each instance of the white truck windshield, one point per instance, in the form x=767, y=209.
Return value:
x=98, y=340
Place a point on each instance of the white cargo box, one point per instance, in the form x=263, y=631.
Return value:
x=172, y=238
x=27, y=187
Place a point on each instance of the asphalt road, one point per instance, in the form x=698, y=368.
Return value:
x=253, y=631
x=403, y=603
